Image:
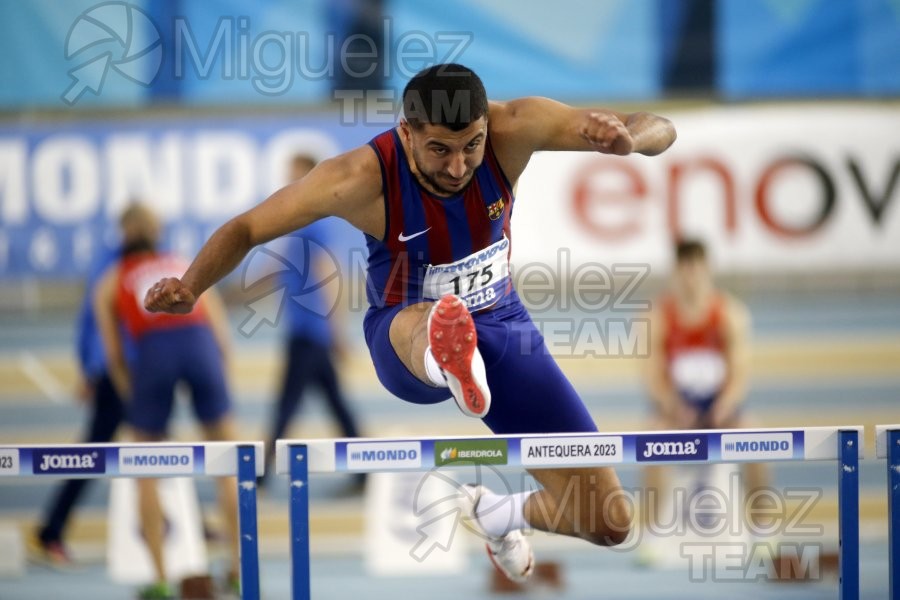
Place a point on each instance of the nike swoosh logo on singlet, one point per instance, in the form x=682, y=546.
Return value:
x=406, y=238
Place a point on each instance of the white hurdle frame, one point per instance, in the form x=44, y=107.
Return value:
x=299, y=458
x=245, y=460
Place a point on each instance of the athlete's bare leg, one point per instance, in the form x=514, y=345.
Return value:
x=150, y=512
x=756, y=476
x=587, y=503
x=409, y=337
x=224, y=430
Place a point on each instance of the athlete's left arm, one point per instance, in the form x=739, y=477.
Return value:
x=526, y=125
x=737, y=363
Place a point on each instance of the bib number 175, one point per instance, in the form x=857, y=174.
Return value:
x=479, y=279
x=472, y=281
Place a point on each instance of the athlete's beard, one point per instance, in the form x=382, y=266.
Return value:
x=433, y=182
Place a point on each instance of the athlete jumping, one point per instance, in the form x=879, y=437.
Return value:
x=434, y=197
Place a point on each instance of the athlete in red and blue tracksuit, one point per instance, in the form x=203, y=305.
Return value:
x=461, y=245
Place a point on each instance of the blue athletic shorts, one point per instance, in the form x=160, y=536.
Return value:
x=162, y=359
x=702, y=404
x=529, y=393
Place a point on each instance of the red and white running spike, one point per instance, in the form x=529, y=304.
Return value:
x=454, y=344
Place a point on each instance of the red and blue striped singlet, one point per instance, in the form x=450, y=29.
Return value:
x=434, y=246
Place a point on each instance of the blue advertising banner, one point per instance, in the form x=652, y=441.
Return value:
x=117, y=53
x=584, y=49
x=38, y=36
x=68, y=461
x=63, y=186
x=90, y=53
x=808, y=48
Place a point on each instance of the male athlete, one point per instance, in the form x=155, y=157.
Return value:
x=697, y=368
x=434, y=197
x=166, y=350
x=699, y=348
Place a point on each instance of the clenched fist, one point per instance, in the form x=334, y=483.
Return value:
x=607, y=134
x=171, y=296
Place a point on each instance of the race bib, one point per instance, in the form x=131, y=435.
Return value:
x=699, y=373
x=480, y=279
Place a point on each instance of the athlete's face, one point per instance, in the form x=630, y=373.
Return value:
x=445, y=159
x=692, y=277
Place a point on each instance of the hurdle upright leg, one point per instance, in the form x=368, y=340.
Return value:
x=893, y=482
x=299, y=458
x=249, y=545
x=848, y=517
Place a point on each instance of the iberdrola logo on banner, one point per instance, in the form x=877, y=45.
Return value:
x=480, y=452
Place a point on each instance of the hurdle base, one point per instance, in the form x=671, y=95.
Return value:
x=547, y=575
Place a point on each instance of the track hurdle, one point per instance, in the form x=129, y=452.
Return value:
x=887, y=445
x=170, y=459
x=299, y=458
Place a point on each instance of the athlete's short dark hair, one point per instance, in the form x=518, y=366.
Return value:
x=689, y=249
x=449, y=95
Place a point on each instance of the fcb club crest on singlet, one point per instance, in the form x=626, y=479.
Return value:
x=495, y=210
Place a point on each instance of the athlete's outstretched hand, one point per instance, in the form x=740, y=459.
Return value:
x=607, y=134
x=171, y=296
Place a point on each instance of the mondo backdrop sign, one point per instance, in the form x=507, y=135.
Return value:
x=62, y=186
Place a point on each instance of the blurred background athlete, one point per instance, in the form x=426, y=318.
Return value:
x=167, y=349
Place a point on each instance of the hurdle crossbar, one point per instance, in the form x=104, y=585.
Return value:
x=245, y=460
x=299, y=458
x=887, y=446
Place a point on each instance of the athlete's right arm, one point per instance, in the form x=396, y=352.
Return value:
x=347, y=186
